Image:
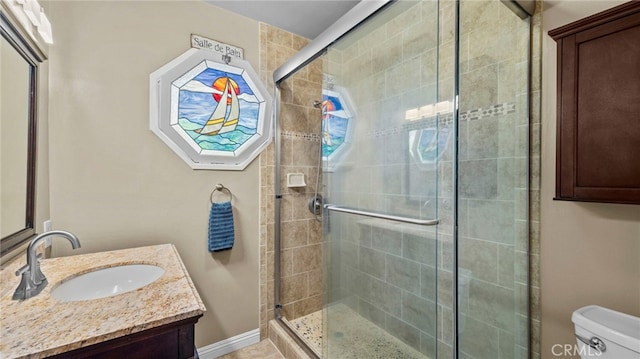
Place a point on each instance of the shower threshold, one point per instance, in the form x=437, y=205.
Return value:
x=350, y=336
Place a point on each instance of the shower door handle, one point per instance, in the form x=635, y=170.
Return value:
x=421, y=222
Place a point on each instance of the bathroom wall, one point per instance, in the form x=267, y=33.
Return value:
x=113, y=182
x=589, y=251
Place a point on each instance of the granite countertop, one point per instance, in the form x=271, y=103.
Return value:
x=43, y=325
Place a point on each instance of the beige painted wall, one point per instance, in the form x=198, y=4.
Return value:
x=590, y=252
x=113, y=182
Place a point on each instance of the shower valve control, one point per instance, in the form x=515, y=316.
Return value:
x=315, y=204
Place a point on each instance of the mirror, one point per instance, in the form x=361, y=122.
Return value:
x=18, y=79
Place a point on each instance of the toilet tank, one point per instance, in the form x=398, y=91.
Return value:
x=618, y=331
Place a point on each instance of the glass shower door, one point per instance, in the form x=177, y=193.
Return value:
x=493, y=182
x=383, y=137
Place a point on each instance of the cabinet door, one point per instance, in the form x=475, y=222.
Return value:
x=598, y=139
x=170, y=341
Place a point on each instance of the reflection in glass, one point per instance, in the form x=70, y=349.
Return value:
x=14, y=128
x=337, y=125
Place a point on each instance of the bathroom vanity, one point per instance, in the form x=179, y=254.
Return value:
x=154, y=321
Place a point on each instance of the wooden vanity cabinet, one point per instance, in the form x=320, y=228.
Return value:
x=598, y=117
x=169, y=341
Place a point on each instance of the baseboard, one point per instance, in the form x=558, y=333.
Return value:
x=232, y=344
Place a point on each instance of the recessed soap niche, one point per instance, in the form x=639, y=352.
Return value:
x=295, y=180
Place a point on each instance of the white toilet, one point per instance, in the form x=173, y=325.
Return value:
x=606, y=334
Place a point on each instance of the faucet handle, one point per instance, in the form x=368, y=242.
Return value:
x=38, y=276
x=25, y=267
x=27, y=288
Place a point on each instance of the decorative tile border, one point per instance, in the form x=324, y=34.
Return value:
x=492, y=111
x=447, y=119
x=301, y=135
x=501, y=109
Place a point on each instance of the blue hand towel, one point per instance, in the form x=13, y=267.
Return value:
x=220, y=227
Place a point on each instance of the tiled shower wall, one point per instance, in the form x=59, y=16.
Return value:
x=301, y=255
x=301, y=262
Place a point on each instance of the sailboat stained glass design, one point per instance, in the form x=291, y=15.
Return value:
x=213, y=112
x=218, y=110
x=337, y=124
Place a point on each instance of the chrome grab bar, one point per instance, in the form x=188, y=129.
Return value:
x=421, y=222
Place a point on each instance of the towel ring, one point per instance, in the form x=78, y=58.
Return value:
x=221, y=188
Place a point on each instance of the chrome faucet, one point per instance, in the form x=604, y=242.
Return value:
x=33, y=281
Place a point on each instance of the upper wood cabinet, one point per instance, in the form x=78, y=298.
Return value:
x=598, y=119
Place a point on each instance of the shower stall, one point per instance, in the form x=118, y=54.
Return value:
x=408, y=238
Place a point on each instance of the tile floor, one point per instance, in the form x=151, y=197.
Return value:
x=350, y=336
x=263, y=350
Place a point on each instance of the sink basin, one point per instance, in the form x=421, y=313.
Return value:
x=107, y=282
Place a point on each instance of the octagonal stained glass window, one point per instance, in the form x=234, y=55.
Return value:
x=337, y=126
x=214, y=113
